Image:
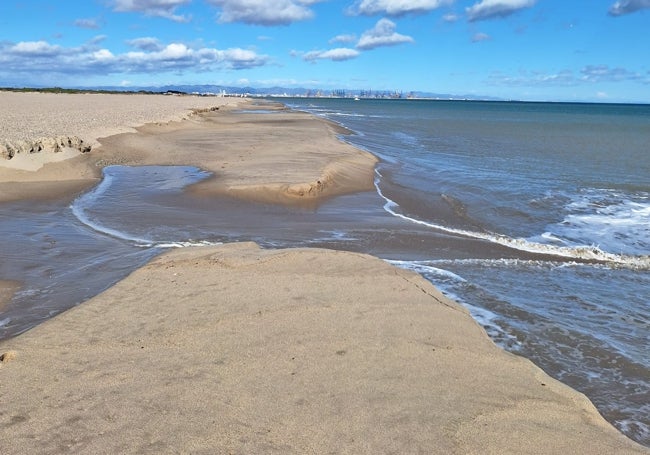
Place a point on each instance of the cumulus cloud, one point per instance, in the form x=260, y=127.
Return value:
x=343, y=39
x=158, y=8
x=146, y=44
x=336, y=55
x=382, y=34
x=264, y=12
x=491, y=9
x=33, y=49
x=151, y=56
x=397, y=7
x=628, y=6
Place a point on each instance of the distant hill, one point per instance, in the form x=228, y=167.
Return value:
x=209, y=89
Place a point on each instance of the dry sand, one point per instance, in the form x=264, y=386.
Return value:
x=33, y=121
x=285, y=157
x=32, y=115
x=234, y=349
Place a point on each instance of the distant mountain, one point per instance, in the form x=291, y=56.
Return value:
x=210, y=89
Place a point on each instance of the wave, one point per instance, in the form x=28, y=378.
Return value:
x=583, y=253
x=616, y=219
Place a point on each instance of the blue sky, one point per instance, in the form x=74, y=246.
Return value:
x=549, y=50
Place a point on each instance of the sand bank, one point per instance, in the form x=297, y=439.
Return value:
x=284, y=157
x=234, y=349
x=280, y=157
x=45, y=137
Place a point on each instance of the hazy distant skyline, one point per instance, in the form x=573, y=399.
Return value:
x=547, y=50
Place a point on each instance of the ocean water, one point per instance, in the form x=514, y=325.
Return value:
x=535, y=216
x=566, y=189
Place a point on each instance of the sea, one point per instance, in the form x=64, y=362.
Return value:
x=534, y=216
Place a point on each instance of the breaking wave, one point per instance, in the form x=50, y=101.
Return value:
x=585, y=253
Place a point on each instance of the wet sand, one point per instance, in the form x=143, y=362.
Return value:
x=242, y=350
x=7, y=290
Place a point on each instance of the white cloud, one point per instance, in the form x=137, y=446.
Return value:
x=343, y=39
x=397, y=7
x=603, y=73
x=491, y=9
x=382, y=34
x=158, y=8
x=338, y=55
x=103, y=55
x=238, y=58
x=31, y=57
x=34, y=48
x=628, y=6
x=533, y=79
x=264, y=12
x=450, y=17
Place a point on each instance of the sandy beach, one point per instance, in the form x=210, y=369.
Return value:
x=290, y=158
x=53, y=138
x=237, y=349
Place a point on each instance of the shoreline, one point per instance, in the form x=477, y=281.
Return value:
x=496, y=394
x=7, y=289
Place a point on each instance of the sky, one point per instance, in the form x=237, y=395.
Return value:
x=541, y=50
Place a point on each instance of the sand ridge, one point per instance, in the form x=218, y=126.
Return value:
x=234, y=349
x=282, y=157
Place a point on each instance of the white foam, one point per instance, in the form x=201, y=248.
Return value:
x=617, y=221
x=582, y=252
x=422, y=267
x=187, y=244
x=80, y=205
